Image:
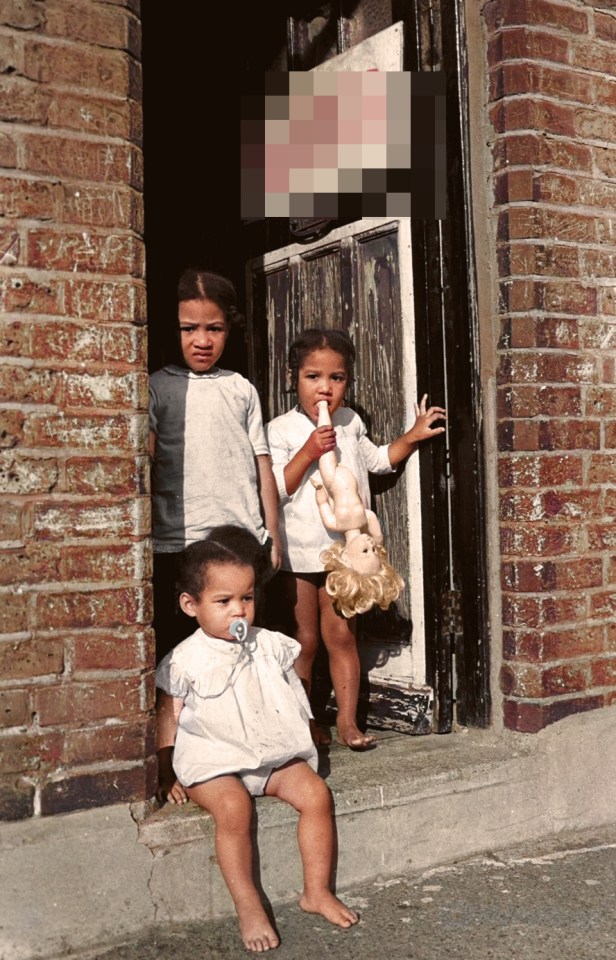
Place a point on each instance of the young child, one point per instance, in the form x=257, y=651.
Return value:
x=211, y=462
x=233, y=724
x=320, y=367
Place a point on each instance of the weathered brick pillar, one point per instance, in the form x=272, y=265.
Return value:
x=76, y=648
x=552, y=70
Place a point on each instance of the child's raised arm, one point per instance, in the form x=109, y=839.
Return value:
x=422, y=429
x=168, y=711
x=320, y=441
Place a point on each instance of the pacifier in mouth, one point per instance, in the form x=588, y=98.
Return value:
x=239, y=629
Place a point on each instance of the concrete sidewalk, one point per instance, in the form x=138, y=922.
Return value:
x=538, y=901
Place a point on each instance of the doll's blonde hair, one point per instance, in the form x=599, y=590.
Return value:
x=354, y=592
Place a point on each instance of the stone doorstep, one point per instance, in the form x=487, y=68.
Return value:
x=400, y=769
x=399, y=806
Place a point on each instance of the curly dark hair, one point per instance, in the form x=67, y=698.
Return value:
x=319, y=338
x=227, y=544
x=198, y=284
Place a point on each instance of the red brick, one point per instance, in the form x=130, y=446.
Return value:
x=539, y=400
x=522, y=645
x=103, y=117
x=516, y=149
x=537, y=114
x=603, y=672
x=527, y=12
x=78, y=704
x=592, y=55
x=31, y=658
x=19, y=291
x=522, y=44
x=564, y=678
x=525, y=611
x=543, y=541
x=538, y=369
x=10, y=520
x=567, y=644
x=106, y=521
x=11, y=428
x=602, y=468
x=520, y=680
x=21, y=475
x=108, y=563
x=14, y=339
x=119, y=743
x=525, y=259
x=602, y=536
x=10, y=244
x=559, y=188
x=107, y=206
x=76, y=65
x=22, y=14
x=607, y=299
x=28, y=385
x=111, y=390
x=14, y=708
x=95, y=25
x=549, y=332
x=555, y=435
x=547, y=505
x=94, y=790
x=86, y=433
x=604, y=160
x=603, y=603
x=523, y=717
x=537, y=576
x=35, y=563
x=598, y=334
x=540, y=470
x=58, y=155
x=24, y=102
x=539, y=223
x=90, y=252
x=92, y=608
x=74, y=343
x=8, y=150
x=13, y=612
x=514, y=185
x=16, y=798
x=610, y=434
x=125, y=649
x=109, y=475
x=25, y=753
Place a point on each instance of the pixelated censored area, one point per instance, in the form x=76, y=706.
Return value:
x=344, y=145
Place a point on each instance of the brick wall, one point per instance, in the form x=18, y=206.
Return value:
x=552, y=95
x=75, y=647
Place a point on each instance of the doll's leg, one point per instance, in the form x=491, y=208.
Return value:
x=301, y=597
x=230, y=804
x=299, y=785
x=339, y=638
x=325, y=509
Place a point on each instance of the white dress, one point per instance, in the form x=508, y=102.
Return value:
x=245, y=710
x=302, y=533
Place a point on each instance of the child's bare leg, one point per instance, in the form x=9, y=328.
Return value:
x=299, y=785
x=230, y=804
x=339, y=638
x=301, y=595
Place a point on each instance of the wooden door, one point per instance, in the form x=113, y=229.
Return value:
x=357, y=279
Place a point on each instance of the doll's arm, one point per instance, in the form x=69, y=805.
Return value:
x=168, y=711
x=374, y=527
x=422, y=429
x=268, y=493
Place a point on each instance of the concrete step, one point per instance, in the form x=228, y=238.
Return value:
x=412, y=803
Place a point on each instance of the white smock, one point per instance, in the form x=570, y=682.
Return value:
x=245, y=710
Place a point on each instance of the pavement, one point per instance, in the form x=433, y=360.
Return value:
x=553, y=899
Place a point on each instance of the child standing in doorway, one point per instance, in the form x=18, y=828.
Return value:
x=210, y=457
x=320, y=368
x=233, y=724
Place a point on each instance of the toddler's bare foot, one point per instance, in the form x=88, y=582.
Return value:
x=256, y=930
x=329, y=907
x=353, y=738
